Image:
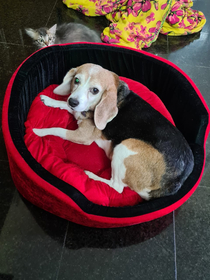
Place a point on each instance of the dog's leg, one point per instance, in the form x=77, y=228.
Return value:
x=120, y=153
x=85, y=134
x=75, y=136
x=55, y=131
x=116, y=183
x=97, y=178
x=50, y=102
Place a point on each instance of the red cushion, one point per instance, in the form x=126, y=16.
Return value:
x=67, y=160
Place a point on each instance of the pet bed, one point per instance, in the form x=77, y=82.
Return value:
x=39, y=74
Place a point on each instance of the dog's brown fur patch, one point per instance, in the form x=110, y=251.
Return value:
x=86, y=133
x=145, y=169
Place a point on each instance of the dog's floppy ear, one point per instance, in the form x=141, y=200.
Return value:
x=107, y=109
x=64, y=88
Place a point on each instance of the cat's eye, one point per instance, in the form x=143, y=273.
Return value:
x=94, y=90
x=76, y=81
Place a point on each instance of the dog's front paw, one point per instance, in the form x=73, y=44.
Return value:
x=88, y=173
x=47, y=100
x=39, y=132
x=93, y=176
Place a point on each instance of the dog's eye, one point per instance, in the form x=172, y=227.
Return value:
x=94, y=90
x=76, y=81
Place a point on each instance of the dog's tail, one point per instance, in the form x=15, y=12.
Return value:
x=170, y=189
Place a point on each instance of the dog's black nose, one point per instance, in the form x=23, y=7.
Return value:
x=73, y=102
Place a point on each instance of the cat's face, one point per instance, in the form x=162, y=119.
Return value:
x=43, y=36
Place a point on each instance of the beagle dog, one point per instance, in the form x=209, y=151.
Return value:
x=147, y=152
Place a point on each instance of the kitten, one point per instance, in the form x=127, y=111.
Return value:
x=65, y=33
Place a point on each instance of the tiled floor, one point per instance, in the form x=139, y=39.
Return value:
x=37, y=245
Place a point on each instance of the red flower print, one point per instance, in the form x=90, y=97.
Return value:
x=155, y=29
x=150, y=18
x=182, y=24
x=107, y=9
x=130, y=26
x=136, y=8
x=146, y=5
x=130, y=38
x=174, y=13
x=143, y=30
x=190, y=20
x=156, y=4
x=107, y=39
x=172, y=18
x=164, y=6
x=114, y=30
x=99, y=12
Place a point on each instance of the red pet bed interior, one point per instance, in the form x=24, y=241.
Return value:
x=67, y=160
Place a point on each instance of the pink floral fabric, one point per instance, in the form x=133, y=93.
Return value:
x=137, y=23
x=182, y=19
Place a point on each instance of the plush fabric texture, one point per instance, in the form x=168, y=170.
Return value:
x=68, y=160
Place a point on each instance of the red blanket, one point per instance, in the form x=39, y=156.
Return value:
x=68, y=160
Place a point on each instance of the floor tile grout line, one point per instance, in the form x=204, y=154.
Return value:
x=21, y=37
x=14, y=44
x=64, y=242
x=175, y=259
x=3, y=36
x=51, y=12
x=203, y=186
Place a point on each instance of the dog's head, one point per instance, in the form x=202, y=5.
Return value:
x=92, y=87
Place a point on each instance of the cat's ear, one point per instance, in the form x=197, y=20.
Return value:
x=31, y=32
x=52, y=29
x=65, y=87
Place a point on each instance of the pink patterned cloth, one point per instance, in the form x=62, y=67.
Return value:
x=137, y=23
